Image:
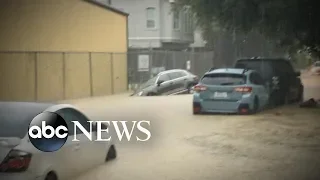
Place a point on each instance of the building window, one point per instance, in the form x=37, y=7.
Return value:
x=186, y=21
x=151, y=17
x=176, y=20
x=191, y=18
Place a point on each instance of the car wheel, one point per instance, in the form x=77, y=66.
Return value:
x=256, y=105
x=112, y=153
x=51, y=176
x=196, y=110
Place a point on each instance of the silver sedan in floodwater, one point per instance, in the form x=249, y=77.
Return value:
x=176, y=81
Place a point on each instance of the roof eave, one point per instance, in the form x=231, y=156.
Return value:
x=107, y=7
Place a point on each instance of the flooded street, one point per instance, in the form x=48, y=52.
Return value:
x=282, y=143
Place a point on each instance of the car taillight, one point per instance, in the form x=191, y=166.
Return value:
x=199, y=88
x=243, y=89
x=15, y=161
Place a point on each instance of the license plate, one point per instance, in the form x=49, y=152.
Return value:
x=220, y=95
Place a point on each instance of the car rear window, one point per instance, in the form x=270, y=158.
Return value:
x=176, y=75
x=283, y=67
x=16, y=117
x=223, y=79
x=317, y=64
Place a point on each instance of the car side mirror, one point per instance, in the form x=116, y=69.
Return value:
x=298, y=73
x=160, y=82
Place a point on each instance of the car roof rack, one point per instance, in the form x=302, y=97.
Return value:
x=256, y=57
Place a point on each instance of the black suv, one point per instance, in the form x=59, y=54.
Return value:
x=283, y=82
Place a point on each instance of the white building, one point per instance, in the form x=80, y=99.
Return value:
x=152, y=24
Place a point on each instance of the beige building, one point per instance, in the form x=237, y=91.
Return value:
x=61, y=49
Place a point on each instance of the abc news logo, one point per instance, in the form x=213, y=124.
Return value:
x=48, y=131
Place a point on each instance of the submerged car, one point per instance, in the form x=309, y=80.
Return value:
x=176, y=81
x=230, y=91
x=20, y=160
x=283, y=81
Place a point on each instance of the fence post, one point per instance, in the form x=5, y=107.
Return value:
x=64, y=75
x=36, y=76
x=112, y=75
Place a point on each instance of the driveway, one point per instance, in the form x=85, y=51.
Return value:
x=282, y=144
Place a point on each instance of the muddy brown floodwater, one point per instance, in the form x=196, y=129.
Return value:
x=282, y=143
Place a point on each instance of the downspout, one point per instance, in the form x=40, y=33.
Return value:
x=127, y=34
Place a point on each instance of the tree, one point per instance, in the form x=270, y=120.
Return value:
x=290, y=22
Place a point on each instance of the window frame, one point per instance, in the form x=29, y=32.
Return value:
x=187, y=20
x=255, y=78
x=177, y=77
x=265, y=68
x=176, y=20
x=260, y=78
x=74, y=111
x=191, y=18
x=223, y=75
x=185, y=73
x=185, y=14
x=151, y=19
x=172, y=76
x=166, y=74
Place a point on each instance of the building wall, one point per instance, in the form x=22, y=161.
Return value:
x=184, y=34
x=142, y=37
x=139, y=34
x=59, y=25
x=45, y=45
